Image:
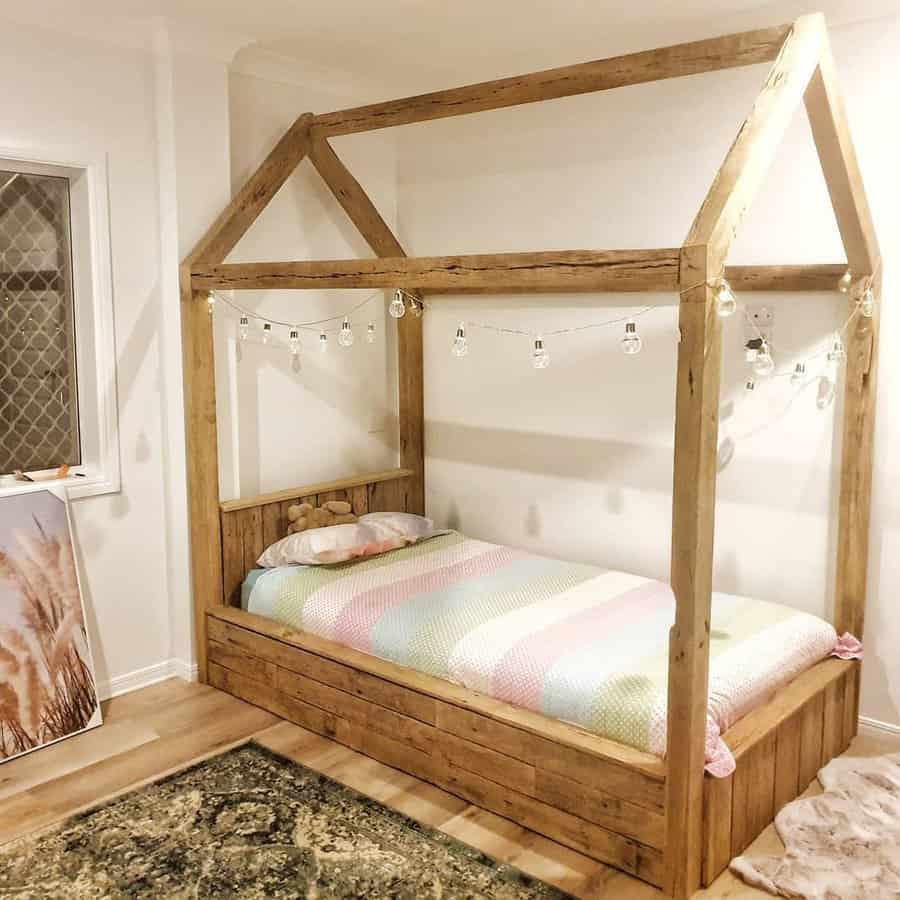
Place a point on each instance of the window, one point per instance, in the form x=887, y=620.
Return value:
x=57, y=351
x=38, y=386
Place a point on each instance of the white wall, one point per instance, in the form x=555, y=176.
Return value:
x=65, y=91
x=576, y=460
x=337, y=416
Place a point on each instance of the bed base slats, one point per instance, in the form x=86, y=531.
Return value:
x=606, y=811
x=779, y=750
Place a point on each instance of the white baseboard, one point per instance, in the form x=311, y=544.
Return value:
x=877, y=725
x=132, y=681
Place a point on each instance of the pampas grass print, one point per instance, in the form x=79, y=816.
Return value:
x=46, y=686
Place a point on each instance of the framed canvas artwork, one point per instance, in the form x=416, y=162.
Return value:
x=47, y=685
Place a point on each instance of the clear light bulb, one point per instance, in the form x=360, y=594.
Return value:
x=210, y=304
x=726, y=302
x=294, y=342
x=323, y=341
x=370, y=333
x=345, y=338
x=763, y=365
x=825, y=392
x=631, y=343
x=798, y=374
x=460, y=345
x=243, y=328
x=267, y=332
x=397, y=307
x=846, y=282
x=540, y=358
x=750, y=386
x=837, y=354
x=417, y=308
x=867, y=303
x=750, y=353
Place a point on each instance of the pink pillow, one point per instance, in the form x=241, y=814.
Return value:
x=410, y=527
x=338, y=543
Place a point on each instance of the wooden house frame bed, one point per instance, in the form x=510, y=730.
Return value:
x=663, y=821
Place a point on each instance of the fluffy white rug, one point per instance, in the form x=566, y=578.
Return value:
x=843, y=844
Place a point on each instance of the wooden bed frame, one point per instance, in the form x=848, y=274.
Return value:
x=662, y=821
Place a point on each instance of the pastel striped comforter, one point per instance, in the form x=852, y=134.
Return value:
x=569, y=640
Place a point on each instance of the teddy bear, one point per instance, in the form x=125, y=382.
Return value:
x=303, y=516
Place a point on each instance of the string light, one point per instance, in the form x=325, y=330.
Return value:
x=540, y=358
x=211, y=304
x=345, y=338
x=825, y=392
x=726, y=302
x=266, y=332
x=798, y=374
x=294, y=341
x=750, y=386
x=416, y=307
x=867, y=303
x=397, y=307
x=243, y=328
x=763, y=364
x=323, y=341
x=837, y=354
x=631, y=343
x=370, y=333
x=846, y=282
x=460, y=345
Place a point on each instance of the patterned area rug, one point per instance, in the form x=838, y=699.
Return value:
x=843, y=844
x=251, y=824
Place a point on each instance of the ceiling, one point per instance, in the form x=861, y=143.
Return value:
x=430, y=43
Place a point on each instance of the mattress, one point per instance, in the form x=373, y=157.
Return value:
x=573, y=641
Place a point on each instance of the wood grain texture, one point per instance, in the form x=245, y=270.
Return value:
x=547, y=271
x=748, y=160
x=310, y=490
x=481, y=760
x=857, y=449
x=801, y=278
x=693, y=522
x=201, y=439
x=718, y=805
x=834, y=145
x=754, y=794
x=254, y=196
x=709, y=55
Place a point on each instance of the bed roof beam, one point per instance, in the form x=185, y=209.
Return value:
x=713, y=54
x=244, y=209
x=741, y=174
x=363, y=213
x=564, y=270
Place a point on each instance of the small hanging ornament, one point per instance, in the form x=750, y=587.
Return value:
x=345, y=338
x=631, y=343
x=397, y=307
x=540, y=358
x=460, y=345
x=370, y=333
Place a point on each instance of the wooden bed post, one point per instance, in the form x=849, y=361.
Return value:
x=693, y=516
x=828, y=120
x=199, y=375
x=368, y=221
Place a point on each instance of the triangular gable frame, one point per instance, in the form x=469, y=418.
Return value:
x=802, y=70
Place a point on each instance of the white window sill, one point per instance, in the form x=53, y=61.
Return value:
x=76, y=486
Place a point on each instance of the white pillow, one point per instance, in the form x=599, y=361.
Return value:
x=411, y=527
x=333, y=544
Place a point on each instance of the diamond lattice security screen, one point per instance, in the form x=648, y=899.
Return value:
x=38, y=396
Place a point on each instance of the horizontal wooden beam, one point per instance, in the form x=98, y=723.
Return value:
x=819, y=277
x=713, y=54
x=564, y=270
x=308, y=490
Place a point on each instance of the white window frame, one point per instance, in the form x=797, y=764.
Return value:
x=95, y=344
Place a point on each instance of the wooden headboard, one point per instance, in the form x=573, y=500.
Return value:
x=249, y=525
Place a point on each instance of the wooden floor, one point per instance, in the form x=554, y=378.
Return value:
x=163, y=728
